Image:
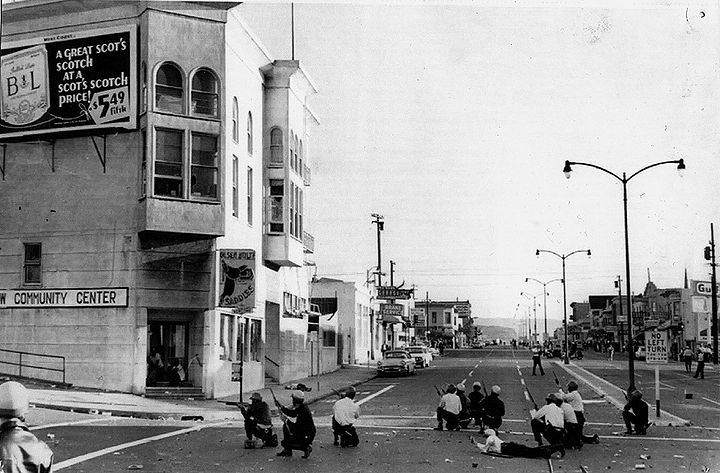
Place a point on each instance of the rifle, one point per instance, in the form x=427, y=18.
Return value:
x=531, y=398
x=483, y=386
x=283, y=417
x=437, y=390
x=339, y=394
x=557, y=381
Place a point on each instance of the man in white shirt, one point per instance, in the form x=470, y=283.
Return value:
x=575, y=400
x=449, y=409
x=493, y=444
x=345, y=411
x=549, y=421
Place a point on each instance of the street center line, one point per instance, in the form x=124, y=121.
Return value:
x=710, y=400
x=89, y=456
x=372, y=396
x=65, y=424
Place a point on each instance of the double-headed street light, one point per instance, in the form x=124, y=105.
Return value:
x=545, y=294
x=624, y=179
x=565, y=322
x=534, y=298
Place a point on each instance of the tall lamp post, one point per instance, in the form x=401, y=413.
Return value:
x=545, y=294
x=380, y=227
x=534, y=298
x=624, y=180
x=565, y=322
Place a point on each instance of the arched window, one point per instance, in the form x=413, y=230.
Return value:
x=204, y=96
x=276, y=146
x=292, y=150
x=295, y=154
x=249, y=134
x=169, y=96
x=235, y=118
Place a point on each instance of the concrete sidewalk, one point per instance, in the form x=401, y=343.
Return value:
x=73, y=399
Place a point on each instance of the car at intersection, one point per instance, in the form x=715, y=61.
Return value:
x=396, y=361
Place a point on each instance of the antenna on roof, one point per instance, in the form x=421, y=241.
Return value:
x=292, y=30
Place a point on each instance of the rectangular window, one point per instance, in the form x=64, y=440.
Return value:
x=235, y=197
x=249, y=195
x=447, y=319
x=276, y=217
x=434, y=318
x=255, y=340
x=169, y=163
x=240, y=339
x=143, y=166
x=31, y=264
x=291, y=213
x=204, y=170
x=328, y=337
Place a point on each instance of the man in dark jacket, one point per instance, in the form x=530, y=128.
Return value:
x=639, y=415
x=20, y=451
x=298, y=428
x=258, y=422
x=493, y=410
x=475, y=397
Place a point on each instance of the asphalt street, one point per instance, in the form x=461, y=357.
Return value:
x=398, y=418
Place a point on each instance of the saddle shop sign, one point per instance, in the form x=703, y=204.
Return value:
x=81, y=80
x=59, y=298
x=237, y=281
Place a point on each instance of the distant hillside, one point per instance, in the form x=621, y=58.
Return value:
x=514, y=324
x=493, y=332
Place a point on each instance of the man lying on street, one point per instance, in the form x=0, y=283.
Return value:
x=493, y=444
x=298, y=427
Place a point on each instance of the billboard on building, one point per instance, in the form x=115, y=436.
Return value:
x=82, y=80
x=237, y=280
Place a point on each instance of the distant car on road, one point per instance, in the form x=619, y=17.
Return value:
x=640, y=353
x=478, y=344
x=434, y=351
x=421, y=354
x=396, y=361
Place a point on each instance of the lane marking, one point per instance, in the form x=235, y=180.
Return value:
x=522, y=381
x=477, y=365
x=64, y=424
x=89, y=456
x=372, y=396
x=710, y=400
x=471, y=373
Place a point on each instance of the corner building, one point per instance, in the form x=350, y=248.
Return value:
x=154, y=175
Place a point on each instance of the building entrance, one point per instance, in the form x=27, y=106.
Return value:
x=167, y=344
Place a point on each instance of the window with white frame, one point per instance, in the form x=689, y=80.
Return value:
x=204, y=94
x=276, y=219
x=168, y=163
x=300, y=159
x=291, y=148
x=204, y=165
x=295, y=211
x=32, y=273
x=143, y=87
x=143, y=164
x=235, y=118
x=249, y=134
x=255, y=350
x=249, y=195
x=276, y=146
x=169, y=93
x=295, y=153
x=235, y=183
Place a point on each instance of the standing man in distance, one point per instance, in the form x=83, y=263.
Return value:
x=536, y=357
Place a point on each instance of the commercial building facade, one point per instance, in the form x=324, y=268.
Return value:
x=154, y=178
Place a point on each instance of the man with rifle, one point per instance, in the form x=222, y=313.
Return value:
x=475, y=397
x=492, y=410
x=345, y=411
x=258, y=422
x=548, y=421
x=298, y=426
x=573, y=398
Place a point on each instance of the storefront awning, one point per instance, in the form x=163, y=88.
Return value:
x=392, y=319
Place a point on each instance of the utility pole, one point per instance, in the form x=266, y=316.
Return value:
x=427, y=316
x=618, y=285
x=392, y=272
x=710, y=255
x=380, y=227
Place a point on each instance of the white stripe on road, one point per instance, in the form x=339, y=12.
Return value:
x=522, y=381
x=710, y=400
x=372, y=396
x=471, y=373
x=65, y=424
x=89, y=456
x=477, y=365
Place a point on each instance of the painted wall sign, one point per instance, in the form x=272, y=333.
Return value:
x=392, y=309
x=76, y=81
x=703, y=288
x=58, y=298
x=237, y=281
x=392, y=292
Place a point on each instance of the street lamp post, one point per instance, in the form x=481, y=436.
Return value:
x=380, y=227
x=545, y=294
x=624, y=179
x=565, y=322
x=534, y=298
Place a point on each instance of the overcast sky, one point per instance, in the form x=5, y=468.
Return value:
x=453, y=121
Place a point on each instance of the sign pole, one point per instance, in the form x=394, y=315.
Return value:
x=657, y=390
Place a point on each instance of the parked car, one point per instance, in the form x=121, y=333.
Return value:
x=434, y=351
x=421, y=354
x=640, y=353
x=478, y=344
x=396, y=361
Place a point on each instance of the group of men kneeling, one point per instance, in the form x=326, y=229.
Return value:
x=298, y=425
x=560, y=421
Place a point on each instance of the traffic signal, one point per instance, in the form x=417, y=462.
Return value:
x=707, y=253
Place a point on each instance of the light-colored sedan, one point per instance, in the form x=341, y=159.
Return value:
x=396, y=361
x=421, y=354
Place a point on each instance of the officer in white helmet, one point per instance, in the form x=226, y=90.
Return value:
x=20, y=450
